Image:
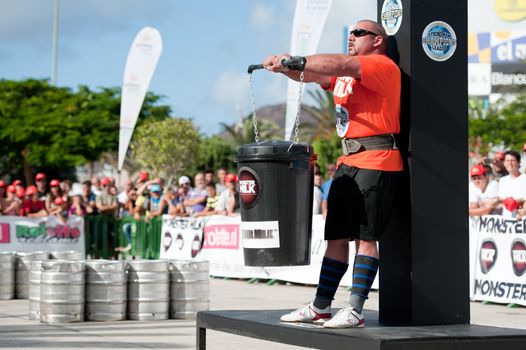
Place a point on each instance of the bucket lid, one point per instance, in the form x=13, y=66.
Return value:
x=275, y=150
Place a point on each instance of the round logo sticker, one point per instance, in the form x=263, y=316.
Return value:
x=248, y=187
x=518, y=257
x=342, y=120
x=392, y=16
x=487, y=255
x=439, y=41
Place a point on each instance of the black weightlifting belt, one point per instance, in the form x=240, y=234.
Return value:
x=360, y=144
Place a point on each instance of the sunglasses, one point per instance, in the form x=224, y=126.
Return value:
x=361, y=32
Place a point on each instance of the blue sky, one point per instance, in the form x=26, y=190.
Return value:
x=208, y=44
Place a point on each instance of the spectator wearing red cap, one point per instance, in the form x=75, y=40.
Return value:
x=54, y=192
x=499, y=170
x=40, y=182
x=33, y=206
x=483, y=193
x=512, y=186
x=60, y=209
x=106, y=202
x=20, y=193
x=228, y=201
x=18, y=185
x=11, y=203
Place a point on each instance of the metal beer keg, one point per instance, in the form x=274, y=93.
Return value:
x=189, y=288
x=148, y=290
x=62, y=291
x=106, y=290
x=7, y=275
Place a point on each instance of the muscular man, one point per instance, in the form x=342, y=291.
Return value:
x=366, y=87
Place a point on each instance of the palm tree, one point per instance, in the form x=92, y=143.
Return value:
x=243, y=132
x=323, y=114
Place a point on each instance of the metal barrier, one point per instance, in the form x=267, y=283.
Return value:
x=104, y=233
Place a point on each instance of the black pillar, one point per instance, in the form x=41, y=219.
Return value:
x=424, y=271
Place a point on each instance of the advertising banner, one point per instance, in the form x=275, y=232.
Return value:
x=309, y=20
x=222, y=245
x=500, y=260
x=23, y=234
x=140, y=65
x=497, y=63
x=181, y=238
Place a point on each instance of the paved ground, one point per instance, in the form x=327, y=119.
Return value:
x=18, y=332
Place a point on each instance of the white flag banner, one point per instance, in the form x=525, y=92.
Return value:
x=309, y=20
x=140, y=65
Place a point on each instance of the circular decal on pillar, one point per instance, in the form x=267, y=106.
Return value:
x=518, y=257
x=249, y=187
x=439, y=41
x=487, y=255
x=391, y=16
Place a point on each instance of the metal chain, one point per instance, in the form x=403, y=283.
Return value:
x=297, y=122
x=254, y=118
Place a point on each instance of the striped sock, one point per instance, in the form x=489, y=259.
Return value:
x=364, y=272
x=331, y=274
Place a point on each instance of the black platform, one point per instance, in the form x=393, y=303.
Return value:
x=264, y=324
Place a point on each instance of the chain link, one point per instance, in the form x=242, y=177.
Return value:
x=297, y=121
x=254, y=118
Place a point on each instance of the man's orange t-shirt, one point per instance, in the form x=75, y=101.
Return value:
x=367, y=107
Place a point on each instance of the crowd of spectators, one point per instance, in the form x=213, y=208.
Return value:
x=498, y=185
x=141, y=198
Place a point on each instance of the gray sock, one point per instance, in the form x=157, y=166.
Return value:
x=357, y=302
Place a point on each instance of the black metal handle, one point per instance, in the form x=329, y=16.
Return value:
x=254, y=67
x=292, y=63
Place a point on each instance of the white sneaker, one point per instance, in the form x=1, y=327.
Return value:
x=346, y=318
x=308, y=313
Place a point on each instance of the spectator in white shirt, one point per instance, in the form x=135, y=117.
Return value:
x=483, y=193
x=512, y=187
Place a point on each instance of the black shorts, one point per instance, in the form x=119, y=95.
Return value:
x=359, y=203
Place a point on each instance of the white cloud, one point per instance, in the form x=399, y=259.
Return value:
x=231, y=88
x=343, y=12
x=262, y=16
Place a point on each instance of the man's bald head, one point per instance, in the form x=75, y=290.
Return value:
x=374, y=27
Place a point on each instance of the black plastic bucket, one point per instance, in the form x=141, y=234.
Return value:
x=276, y=193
